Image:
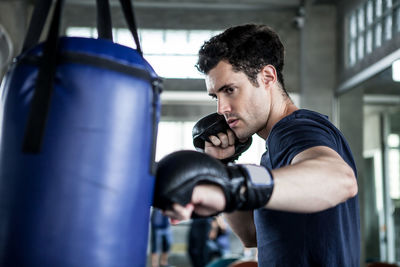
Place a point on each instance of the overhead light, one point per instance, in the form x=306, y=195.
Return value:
x=186, y=97
x=396, y=70
x=393, y=140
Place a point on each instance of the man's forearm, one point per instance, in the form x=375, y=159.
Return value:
x=242, y=224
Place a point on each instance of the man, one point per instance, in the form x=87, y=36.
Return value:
x=308, y=215
x=161, y=239
x=198, y=251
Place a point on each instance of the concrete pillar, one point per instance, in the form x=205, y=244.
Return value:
x=351, y=116
x=318, y=58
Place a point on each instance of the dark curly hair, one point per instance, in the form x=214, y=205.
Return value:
x=247, y=48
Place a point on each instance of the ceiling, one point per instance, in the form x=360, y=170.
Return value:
x=228, y=4
x=206, y=4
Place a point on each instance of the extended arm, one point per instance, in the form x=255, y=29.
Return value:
x=317, y=179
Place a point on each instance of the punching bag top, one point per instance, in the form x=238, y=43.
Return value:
x=99, y=52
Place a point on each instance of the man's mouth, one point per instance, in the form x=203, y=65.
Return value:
x=232, y=122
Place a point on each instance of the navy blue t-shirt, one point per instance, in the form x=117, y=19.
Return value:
x=327, y=238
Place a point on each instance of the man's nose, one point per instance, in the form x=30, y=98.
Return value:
x=223, y=106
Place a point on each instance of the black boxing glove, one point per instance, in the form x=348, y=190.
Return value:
x=246, y=187
x=212, y=125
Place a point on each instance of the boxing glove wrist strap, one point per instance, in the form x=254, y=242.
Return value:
x=253, y=186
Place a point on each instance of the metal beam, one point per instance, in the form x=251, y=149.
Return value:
x=206, y=4
x=367, y=73
x=381, y=99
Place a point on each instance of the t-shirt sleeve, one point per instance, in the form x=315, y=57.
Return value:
x=294, y=136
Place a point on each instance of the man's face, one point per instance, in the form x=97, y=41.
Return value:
x=245, y=106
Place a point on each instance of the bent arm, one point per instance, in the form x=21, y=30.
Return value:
x=317, y=179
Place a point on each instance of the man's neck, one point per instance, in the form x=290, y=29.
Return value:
x=279, y=109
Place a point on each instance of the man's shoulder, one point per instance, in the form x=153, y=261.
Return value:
x=299, y=119
x=302, y=115
x=299, y=131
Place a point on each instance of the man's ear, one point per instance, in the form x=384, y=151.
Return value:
x=268, y=75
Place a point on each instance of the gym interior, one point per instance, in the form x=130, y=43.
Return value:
x=342, y=60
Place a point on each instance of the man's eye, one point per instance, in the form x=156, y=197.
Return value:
x=229, y=90
x=213, y=97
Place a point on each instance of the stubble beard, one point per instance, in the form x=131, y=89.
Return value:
x=243, y=133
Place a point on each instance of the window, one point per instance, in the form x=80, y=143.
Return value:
x=394, y=170
x=398, y=19
x=370, y=12
x=353, y=38
x=360, y=47
x=388, y=5
x=369, y=42
x=378, y=35
x=361, y=29
x=172, y=53
x=174, y=136
x=378, y=8
x=388, y=28
x=369, y=26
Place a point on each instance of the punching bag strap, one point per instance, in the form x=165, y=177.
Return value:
x=131, y=21
x=36, y=24
x=157, y=89
x=44, y=87
x=104, y=26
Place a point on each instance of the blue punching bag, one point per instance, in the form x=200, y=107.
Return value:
x=77, y=157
